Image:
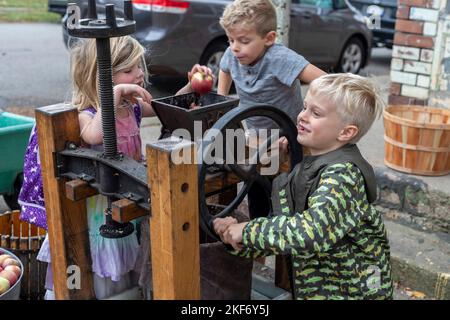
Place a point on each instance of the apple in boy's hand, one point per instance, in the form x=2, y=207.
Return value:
x=10, y=276
x=201, y=83
x=14, y=269
x=4, y=285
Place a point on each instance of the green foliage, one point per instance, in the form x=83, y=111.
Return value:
x=26, y=11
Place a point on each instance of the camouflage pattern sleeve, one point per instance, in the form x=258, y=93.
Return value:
x=334, y=209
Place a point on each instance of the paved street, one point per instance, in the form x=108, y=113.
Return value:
x=35, y=66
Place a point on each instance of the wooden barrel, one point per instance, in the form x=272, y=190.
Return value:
x=417, y=139
x=24, y=240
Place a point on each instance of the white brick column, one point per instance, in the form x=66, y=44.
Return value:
x=420, y=66
x=440, y=74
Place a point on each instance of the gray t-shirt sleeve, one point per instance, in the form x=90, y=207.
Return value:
x=290, y=65
x=225, y=62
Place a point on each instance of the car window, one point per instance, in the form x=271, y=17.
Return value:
x=340, y=4
x=324, y=4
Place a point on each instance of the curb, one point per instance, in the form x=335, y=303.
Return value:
x=417, y=218
x=420, y=260
x=417, y=202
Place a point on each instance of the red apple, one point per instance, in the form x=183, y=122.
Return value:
x=4, y=285
x=14, y=269
x=201, y=83
x=10, y=261
x=3, y=257
x=10, y=276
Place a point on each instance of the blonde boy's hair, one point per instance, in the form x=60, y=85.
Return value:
x=357, y=99
x=125, y=52
x=257, y=14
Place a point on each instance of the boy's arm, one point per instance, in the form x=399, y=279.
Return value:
x=334, y=210
x=309, y=73
x=224, y=84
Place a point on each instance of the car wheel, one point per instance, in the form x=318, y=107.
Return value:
x=352, y=57
x=11, y=199
x=211, y=58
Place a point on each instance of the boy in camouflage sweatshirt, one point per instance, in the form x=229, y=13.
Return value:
x=323, y=220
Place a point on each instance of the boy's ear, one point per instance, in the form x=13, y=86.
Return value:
x=270, y=38
x=348, y=133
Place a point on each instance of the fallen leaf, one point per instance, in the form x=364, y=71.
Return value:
x=415, y=294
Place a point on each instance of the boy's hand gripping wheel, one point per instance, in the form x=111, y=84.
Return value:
x=102, y=30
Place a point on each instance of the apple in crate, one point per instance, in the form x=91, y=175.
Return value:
x=10, y=276
x=201, y=83
x=10, y=261
x=4, y=285
x=3, y=257
x=13, y=268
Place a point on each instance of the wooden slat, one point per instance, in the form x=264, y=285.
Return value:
x=14, y=243
x=5, y=224
x=42, y=276
x=79, y=189
x=125, y=210
x=23, y=243
x=174, y=225
x=5, y=241
x=25, y=229
x=33, y=285
x=34, y=243
x=66, y=219
x=33, y=231
x=24, y=256
x=220, y=181
x=16, y=223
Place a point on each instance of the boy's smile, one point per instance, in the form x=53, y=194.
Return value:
x=247, y=45
x=319, y=126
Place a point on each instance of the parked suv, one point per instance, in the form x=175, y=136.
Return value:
x=381, y=15
x=179, y=34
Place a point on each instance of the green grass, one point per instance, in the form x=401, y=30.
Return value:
x=26, y=11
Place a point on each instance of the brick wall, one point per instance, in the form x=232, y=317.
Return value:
x=414, y=75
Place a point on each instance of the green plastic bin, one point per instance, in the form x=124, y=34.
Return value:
x=14, y=135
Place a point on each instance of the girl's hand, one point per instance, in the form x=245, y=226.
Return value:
x=130, y=92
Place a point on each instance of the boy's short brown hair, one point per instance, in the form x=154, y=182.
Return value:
x=258, y=14
x=358, y=100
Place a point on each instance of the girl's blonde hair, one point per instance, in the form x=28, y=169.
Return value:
x=357, y=99
x=125, y=52
x=257, y=14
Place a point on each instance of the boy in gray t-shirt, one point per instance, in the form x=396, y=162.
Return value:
x=263, y=72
